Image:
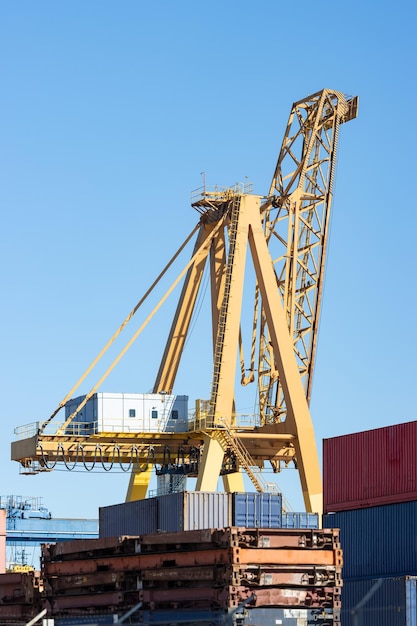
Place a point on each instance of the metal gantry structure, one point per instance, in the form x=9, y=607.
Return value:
x=29, y=524
x=285, y=235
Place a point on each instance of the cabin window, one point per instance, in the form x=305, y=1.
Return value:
x=174, y=414
x=132, y=412
x=154, y=414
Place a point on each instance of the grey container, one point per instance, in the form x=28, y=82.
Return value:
x=300, y=520
x=193, y=510
x=380, y=602
x=377, y=541
x=129, y=518
x=257, y=510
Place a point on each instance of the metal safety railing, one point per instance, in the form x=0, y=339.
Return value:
x=220, y=194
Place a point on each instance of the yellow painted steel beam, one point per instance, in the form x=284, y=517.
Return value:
x=223, y=391
x=210, y=465
x=178, y=333
x=49, y=448
x=217, y=279
x=298, y=420
x=233, y=483
x=226, y=321
x=138, y=484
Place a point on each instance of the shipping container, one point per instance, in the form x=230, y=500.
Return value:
x=300, y=520
x=378, y=541
x=194, y=510
x=370, y=468
x=380, y=602
x=139, y=517
x=257, y=510
x=186, y=510
x=244, y=617
x=210, y=617
x=91, y=620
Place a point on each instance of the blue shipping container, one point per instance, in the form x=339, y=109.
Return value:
x=379, y=602
x=257, y=510
x=191, y=510
x=95, y=620
x=300, y=520
x=379, y=541
x=246, y=617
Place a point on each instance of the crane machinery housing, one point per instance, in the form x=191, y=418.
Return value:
x=284, y=234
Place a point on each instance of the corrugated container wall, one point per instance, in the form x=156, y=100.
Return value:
x=193, y=510
x=205, y=617
x=95, y=620
x=379, y=541
x=380, y=602
x=300, y=520
x=257, y=510
x=129, y=518
x=370, y=468
x=213, y=617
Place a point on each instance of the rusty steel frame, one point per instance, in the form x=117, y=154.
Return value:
x=217, y=556
x=251, y=575
x=186, y=541
x=231, y=596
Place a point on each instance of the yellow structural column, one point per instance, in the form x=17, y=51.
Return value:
x=138, y=484
x=213, y=453
x=210, y=464
x=233, y=482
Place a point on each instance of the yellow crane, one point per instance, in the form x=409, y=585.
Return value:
x=283, y=237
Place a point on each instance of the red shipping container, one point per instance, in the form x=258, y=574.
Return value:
x=370, y=468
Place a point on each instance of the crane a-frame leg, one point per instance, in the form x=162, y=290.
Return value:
x=298, y=421
x=138, y=484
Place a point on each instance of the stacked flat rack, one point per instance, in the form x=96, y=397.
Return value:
x=218, y=569
x=19, y=596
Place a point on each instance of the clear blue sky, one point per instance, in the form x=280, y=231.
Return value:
x=110, y=111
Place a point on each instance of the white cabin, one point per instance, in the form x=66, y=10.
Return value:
x=128, y=412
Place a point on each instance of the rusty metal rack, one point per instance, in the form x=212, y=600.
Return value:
x=19, y=596
x=216, y=569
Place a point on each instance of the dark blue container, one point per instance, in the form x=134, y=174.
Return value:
x=245, y=617
x=380, y=602
x=257, y=510
x=96, y=620
x=300, y=520
x=129, y=518
x=379, y=541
